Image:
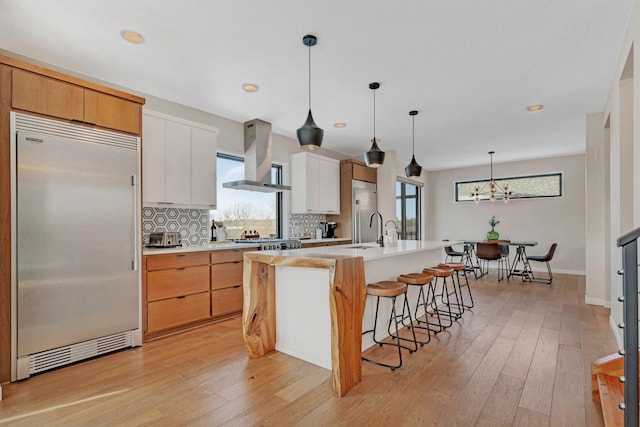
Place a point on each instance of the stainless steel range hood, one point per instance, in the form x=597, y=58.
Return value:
x=257, y=160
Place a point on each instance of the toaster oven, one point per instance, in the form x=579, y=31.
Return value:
x=164, y=239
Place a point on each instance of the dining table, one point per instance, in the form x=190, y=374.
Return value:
x=520, y=265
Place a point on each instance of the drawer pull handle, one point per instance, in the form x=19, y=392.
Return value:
x=237, y=286
x=181, y=297
x=180, y=268
x=181, y=255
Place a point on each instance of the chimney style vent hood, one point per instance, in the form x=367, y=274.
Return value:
x=257, y=160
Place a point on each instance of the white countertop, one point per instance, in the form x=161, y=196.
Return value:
x=368, y=251
x=221, y=246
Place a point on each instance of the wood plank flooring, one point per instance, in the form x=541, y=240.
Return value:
x=521, y=357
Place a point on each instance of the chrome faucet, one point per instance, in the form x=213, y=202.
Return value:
x=381, y=239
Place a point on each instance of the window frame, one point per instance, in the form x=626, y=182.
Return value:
x=403, y=208
x=540, y=175
x=279, y=180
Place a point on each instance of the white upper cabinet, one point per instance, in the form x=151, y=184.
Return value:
x=179, y=162
x=315, y=184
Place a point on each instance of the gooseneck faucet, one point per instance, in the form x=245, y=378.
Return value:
x=381, y=239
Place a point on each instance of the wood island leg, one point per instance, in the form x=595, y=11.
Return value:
x=259, y=314
x=347, y=301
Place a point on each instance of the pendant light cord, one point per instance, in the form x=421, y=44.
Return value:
x=309, y=77
x=491, y=167
x=413, y=137
x=374, y=116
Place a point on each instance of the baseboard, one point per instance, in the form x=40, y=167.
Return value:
x=597, y=301
x=564, y=271
x=614, y=329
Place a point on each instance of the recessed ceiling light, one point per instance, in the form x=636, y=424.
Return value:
x=536, y=107
x=340, y=125
x=132, y=37
x=250, y=87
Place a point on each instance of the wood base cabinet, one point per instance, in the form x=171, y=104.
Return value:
x=186, y=290
x=226, y=282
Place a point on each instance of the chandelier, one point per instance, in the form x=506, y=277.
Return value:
x=493, y=189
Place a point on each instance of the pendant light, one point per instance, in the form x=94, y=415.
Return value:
x=374, y=158
x=413, y=170
x=310, y=135
x=495, y=187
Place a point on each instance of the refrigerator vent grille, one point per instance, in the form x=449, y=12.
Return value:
x=40, y=125
x=75, y=352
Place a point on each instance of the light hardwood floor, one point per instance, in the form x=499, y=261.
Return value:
x=521, y=357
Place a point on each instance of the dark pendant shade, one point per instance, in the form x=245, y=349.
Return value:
x=374, y=158
x=310, y=135
x=413, y=169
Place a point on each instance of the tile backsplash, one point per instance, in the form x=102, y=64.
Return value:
x=193, y=224
x=305, y=224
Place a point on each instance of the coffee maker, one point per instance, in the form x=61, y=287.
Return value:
x=328, y=229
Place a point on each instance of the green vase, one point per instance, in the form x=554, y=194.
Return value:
x=492, y=235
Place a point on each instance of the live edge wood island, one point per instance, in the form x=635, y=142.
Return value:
x=311, y=303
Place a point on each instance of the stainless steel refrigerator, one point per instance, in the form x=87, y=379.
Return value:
x=77, y=285
x=364, y=204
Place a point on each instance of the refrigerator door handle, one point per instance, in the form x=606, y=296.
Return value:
x=134, y=185
x=358, y=232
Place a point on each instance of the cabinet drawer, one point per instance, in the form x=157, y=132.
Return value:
x=177, y=311
x=363, y=173
x=45, y=95
x=177, y=282
x=229, y=255
x=159, y=262
x=226, y=275
x=226, y=301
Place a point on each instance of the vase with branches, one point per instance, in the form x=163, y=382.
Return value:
x=493, y=234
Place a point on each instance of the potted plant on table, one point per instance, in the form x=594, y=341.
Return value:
x=493, y=234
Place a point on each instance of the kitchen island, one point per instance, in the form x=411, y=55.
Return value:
x=311, y=303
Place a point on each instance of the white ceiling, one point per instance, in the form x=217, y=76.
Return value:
x=469, y=67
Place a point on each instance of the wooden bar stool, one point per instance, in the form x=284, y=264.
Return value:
x=390, y=289
x=459, y=267
x=443, y=273
x=421, y=279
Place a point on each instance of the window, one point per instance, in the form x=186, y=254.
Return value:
x=523, y=187
x=408, y=210
x=240, y=210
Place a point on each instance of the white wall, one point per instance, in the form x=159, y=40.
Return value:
x=597, y=205
x=560, y=220
x=622, y=135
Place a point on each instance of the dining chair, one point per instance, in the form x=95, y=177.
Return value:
x=528, y=275
x=490, y=252
x=504, y=251
x=452, y=253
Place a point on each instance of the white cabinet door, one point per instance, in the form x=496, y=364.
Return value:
x=153, y=187
x=203, y=167
x=329, y=185
x=178, y=163
x=315, y=184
